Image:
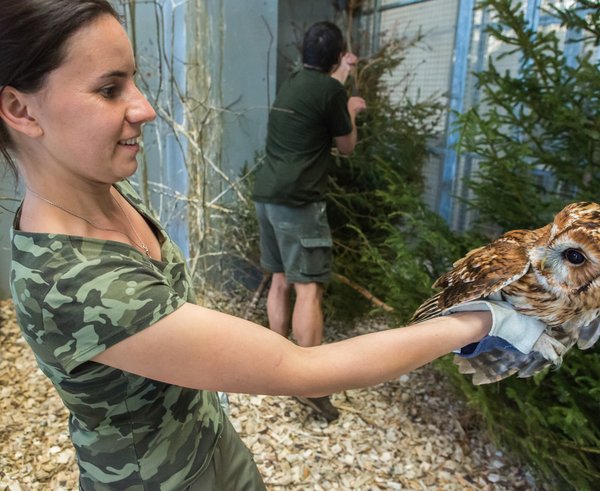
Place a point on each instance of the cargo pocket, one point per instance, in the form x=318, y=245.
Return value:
x=315, y=258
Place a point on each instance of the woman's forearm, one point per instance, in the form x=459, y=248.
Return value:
x=377, y=357
x=204, y=349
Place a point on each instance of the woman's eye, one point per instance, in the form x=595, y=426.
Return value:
x=574, y=256
x=108, y=92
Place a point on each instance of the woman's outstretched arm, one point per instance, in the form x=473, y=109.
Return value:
x=204, y=349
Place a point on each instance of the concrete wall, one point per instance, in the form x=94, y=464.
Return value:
x=250, y=38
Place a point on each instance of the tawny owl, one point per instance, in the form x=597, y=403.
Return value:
x=552, y=273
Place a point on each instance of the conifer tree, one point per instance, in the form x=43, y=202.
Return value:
x=536, y=133
x=536, y=137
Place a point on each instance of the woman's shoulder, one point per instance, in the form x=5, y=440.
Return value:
x=45, y=262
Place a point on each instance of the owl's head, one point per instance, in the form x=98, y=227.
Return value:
x=569, y=261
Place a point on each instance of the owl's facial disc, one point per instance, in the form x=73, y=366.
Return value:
x=573, y=262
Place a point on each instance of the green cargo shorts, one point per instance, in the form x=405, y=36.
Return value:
x=295, y=240
x=231, y=468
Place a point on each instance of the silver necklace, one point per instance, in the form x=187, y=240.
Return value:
x=141, y=244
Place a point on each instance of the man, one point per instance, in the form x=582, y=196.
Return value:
x=310, y=113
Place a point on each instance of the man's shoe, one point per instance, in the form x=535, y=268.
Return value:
x=322, y=406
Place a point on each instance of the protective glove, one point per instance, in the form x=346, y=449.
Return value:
x=489, y=343
x=510, y=330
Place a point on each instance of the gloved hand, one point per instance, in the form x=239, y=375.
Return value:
x=489, y=343
x=510, y=330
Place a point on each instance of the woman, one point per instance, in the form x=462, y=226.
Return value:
x=102, y=294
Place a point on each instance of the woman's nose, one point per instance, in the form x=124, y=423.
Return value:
x=139, y=111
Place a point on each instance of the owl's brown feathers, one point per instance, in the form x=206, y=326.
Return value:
x=551, y=273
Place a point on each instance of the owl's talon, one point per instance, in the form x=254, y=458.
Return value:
x=551, y=349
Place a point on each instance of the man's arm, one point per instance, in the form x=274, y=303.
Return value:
x=346, y=143
x=346, y=66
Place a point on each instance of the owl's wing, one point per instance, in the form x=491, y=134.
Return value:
x=496, y=365
x=481, y=272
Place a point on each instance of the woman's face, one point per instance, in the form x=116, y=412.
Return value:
x=89, y=110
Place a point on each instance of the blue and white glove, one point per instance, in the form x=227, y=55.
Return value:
x=510, y=331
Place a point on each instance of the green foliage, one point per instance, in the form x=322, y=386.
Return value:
x=551, y=420
x=385, y=238
x=537, y=135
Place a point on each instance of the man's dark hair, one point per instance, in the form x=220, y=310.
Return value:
x=322, y=46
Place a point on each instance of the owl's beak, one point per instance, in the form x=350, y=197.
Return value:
x=543, y=263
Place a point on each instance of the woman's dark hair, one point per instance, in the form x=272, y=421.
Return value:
x=33, y=36
x=322, y=46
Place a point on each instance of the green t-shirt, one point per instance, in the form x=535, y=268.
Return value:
x=310, y=109
x=74, y=298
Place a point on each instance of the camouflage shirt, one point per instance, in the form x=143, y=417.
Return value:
x=77, y=296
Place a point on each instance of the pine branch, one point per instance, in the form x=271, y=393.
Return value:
x=364, y=292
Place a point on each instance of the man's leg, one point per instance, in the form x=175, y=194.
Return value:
x=307, y=325
x=307, y=320
x=279, y=303
x=302, y=251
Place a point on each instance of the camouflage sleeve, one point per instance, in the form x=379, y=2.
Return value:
x=101, y=301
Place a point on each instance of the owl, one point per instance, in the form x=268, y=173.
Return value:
x=551, y=273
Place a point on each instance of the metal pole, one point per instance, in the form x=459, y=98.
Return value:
x=464, y=27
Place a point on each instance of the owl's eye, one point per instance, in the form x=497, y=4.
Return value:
x=574, y=256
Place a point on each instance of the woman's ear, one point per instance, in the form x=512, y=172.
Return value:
x=16, y=114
